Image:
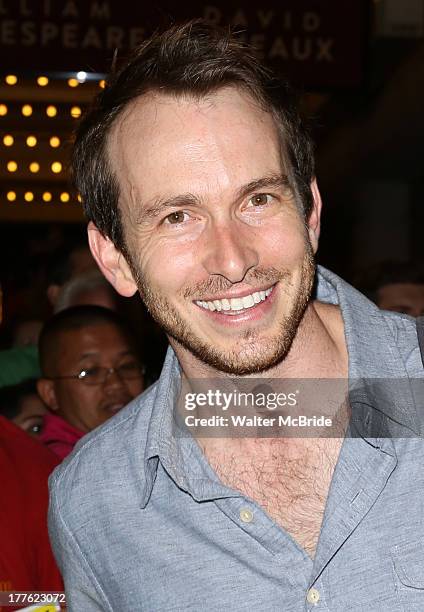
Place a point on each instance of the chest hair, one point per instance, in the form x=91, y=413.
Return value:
x=289, y=479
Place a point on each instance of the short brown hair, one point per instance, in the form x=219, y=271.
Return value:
x=193, y=59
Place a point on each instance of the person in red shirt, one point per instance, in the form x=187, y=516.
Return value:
x=90, y=370
x=26, y=559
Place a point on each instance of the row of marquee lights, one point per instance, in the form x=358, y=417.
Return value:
x=47, y=196
x=42, y=81
x=51, y=110
x=56, y=167
x=30, y=141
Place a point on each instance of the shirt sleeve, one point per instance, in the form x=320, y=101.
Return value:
x=83, y=592
x=18, y=364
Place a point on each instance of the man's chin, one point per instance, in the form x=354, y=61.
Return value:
x=253, y=358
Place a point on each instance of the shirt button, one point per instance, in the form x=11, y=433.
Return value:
x=246, y=515
x=313, y=596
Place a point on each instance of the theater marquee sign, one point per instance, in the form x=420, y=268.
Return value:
x=317, y=42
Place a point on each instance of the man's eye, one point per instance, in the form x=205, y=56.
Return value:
x=90, y=373
x=176, y=217
x=36, y=429
x=261, y=199
x=131, y=369
x=130, y=366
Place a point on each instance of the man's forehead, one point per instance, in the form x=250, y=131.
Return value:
x=78, y=338
x=155, y=116
x=151, y=103
x=159, y=134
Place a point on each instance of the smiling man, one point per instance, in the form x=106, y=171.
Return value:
x=212, y=258
x=197, y=178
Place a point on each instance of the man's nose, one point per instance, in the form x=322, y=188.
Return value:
x=113, y=379
x=230, y=251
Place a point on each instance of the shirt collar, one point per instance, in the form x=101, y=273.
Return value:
x=380, y=389
x=179, y=454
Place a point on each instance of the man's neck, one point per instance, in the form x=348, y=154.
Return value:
x=289, y=475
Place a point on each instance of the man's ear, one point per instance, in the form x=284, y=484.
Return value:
x=53, y=293
x=314, y=221
x=111, y=262
x=47, y=393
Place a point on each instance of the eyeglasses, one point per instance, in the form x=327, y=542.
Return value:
x=98, y=375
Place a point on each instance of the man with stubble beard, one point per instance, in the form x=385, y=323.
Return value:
x=197, y=178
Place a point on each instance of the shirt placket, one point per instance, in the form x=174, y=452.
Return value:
x=291, y=561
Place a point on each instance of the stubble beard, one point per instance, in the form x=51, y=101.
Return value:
x=252, y=353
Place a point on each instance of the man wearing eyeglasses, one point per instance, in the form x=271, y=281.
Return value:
x=90, y=370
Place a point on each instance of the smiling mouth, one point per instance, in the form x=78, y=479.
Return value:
x=233, y=306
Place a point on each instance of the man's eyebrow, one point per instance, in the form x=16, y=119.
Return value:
x=158, y=206
x=91, y=354
x=270, y=181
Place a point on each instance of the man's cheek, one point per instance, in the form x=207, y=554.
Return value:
x=172, y=271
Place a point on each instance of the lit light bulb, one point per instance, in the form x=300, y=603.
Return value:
x=42, y=81
x=3, y=110
x=102, y=84
x=73, y=83
x=75, y=112
x=51, y=111
x=54, y=142
x=27, y=110
x=34, y=167
x=64, y=197
x=47, y=196
x=31, y=141
x=56, y=167
x=11, y=196
x=11, y=79
x=12, y=166
x=29, y=196
x=8, y=140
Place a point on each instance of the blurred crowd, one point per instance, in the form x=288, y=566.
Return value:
x=61, y=376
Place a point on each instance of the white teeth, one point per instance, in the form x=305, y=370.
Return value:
x=248, y=301
x=236, y=304
x=225, y=304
